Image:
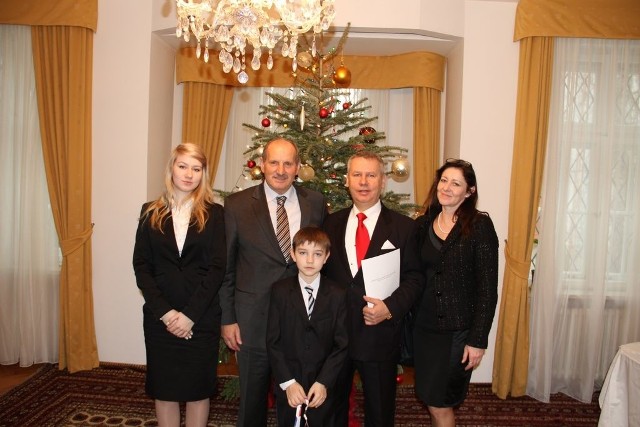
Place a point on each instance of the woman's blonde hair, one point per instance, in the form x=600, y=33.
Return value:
x=202, y=196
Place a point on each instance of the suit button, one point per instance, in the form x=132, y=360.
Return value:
x=306, y=347
x=308, y=328
x=440, y=316
x=438, y=294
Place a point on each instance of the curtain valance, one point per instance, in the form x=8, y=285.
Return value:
x=71, y=13
x=416, y=69
x=611, y=19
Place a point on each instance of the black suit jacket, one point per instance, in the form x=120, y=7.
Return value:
x=254, y=259
x=187, y=283
x=382, y=341
x=307, y=350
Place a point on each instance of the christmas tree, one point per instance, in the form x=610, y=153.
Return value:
x=327, y=129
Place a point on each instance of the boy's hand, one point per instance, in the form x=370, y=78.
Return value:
x=317, y=395
x=295, y=395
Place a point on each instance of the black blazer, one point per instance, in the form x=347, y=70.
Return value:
x=254, y=259
x=466, y=278
x=187, y=283
x=307, y=350
x=382, y=341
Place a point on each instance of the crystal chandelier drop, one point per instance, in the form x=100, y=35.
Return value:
x=261, y=24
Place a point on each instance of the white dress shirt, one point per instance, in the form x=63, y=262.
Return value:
x=373, y=213
x=291, y=205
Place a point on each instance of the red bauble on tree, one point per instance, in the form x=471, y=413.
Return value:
x=266, y=122
x=323, y=113
x=346, y=105
x=365, y=131
x=251, y=164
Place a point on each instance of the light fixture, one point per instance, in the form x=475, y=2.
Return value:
x=262, y=24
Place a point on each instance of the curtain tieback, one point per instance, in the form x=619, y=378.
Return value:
x=519, y=268
x=70, y=245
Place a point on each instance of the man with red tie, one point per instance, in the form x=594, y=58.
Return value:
x=366, y=230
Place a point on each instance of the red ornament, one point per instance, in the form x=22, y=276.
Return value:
x=324, y=113
x=365, y=131
x=266, y=122
x=399, y=378
x=251, y=164
x=346, y=105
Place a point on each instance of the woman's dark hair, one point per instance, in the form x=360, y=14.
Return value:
x=467, y=211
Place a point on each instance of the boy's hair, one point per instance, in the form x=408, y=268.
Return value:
x=312, y=235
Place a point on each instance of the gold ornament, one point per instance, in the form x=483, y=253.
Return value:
x=304, y=59
x=306, y=173
x=400, y=167
x=342, y=76
x=256, y=173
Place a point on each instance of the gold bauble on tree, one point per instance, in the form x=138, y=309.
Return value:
x=256, y=173
x=306, y=173
x=304, y=59
x=342, y=76
x=400, y=167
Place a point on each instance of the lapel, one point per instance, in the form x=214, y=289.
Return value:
x=305, y=206
x=260, y=211
x=381, y=233
x=170, y=236
x=297, y=299
x=322, y=299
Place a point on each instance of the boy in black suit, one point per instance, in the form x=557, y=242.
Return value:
x=307, y=334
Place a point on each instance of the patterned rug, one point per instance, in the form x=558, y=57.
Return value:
x=113, y=395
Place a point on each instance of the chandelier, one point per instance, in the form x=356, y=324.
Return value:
x=262, y=24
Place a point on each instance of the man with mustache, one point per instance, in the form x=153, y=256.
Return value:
x=259, y=223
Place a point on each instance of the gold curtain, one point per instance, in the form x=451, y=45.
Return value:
x=62, y=37
x=423, y=71
x=426, y=140
x=510, y=364
x=63, y=60
x=205, y=112
x=537, y=22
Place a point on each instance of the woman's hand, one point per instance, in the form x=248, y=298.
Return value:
x=180, y=326
x=473, y=355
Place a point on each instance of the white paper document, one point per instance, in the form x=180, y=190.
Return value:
x=381, y=274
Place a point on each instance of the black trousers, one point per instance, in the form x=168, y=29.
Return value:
x=379, y=388
x=255, y=380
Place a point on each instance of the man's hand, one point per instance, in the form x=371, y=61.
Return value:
x=295, y=395
x=317, y=395
x=231, y=336
x=376, y=314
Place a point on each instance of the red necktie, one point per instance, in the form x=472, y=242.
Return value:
x=362, y=238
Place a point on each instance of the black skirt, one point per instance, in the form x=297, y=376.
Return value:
x=440, y=377
x=180, y=370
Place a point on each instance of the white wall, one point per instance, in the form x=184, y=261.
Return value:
x=120, y=162
x=489, y=87
x=128, y=135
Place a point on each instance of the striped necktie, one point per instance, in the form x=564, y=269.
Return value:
x=310, y=300
x=282, y=228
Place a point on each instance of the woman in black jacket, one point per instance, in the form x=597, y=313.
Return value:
x=179, y=260
x=459, y=254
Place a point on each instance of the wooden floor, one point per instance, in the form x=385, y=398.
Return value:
x=12, y=375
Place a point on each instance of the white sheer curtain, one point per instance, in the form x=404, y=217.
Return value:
x=29, y=254
x=586, y=288
x=394, y=109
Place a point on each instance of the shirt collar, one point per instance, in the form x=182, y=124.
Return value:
x=271, y=195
